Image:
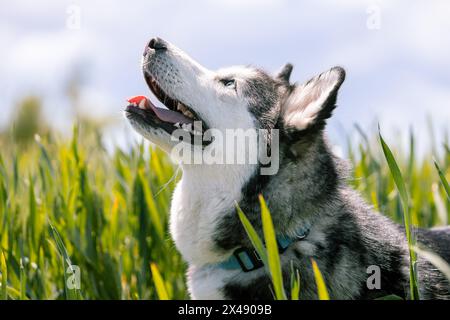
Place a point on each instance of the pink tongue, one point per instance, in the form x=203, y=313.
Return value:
x=169, y=115
x=163, y=114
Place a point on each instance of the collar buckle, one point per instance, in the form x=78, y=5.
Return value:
x=248, y=259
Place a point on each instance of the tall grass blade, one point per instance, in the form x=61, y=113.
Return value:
x=400, y=183
x=253, y=235
x=71, y=293
x=434, y=259
x=23, y=287
x=443, y=179
x=295, y=283
x=322, y=291
x=4, y=270
x=272, y=251
x=439, y=204
x=159, y=283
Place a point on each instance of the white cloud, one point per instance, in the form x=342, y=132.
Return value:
x=42, y=58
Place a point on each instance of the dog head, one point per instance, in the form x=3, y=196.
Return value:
x=198, y=100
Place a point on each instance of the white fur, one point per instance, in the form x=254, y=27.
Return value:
x=206, y=283
x=203, y=195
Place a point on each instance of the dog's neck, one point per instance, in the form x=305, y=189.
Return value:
x=203, y=195
x=224, y=178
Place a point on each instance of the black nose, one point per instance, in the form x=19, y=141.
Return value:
x=157, y=44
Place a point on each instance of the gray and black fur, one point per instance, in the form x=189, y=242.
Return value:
x=346, y=234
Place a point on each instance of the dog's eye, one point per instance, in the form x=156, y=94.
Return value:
x=230, y=83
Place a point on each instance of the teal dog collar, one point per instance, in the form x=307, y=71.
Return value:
x=249, y=260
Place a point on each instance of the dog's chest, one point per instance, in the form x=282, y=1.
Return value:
x=207, y=284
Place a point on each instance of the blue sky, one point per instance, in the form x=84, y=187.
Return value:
x=396, y=53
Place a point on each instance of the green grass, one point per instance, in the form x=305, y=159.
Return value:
x=407, y=220
x=267, y=250
x=66, y=203
x=71, y=202
x=322, y=291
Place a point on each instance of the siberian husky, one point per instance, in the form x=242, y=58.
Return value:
x=311, y=205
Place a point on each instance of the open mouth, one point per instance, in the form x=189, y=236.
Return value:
x=177, y=115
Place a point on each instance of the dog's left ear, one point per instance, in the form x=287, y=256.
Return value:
x=310, y=104
x=285, y=73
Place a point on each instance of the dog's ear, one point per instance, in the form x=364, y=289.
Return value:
x=285, y=73
x=308, y=105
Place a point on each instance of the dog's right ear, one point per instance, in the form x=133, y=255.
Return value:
x=309, y=105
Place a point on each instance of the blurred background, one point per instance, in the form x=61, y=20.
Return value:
x=60, y=60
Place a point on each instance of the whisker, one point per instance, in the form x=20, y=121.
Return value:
x=164, y=187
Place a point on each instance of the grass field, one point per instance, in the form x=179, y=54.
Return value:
x=71, y=202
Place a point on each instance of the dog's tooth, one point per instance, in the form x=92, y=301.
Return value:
x=142, y=104
x=187, y=126
x=184, y=110
x=178, y=125
x=188, y=114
